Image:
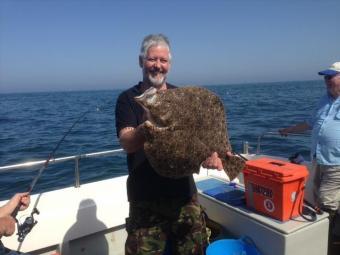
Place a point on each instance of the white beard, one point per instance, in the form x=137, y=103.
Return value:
x=157, y=81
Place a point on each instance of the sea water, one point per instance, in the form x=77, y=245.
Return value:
x=32, y=124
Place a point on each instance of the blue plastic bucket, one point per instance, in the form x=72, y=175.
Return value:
x=243, y=246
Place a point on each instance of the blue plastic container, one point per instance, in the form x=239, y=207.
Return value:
x=243, y=246
x=229, y=193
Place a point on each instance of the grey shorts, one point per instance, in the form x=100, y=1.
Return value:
x=327, y=186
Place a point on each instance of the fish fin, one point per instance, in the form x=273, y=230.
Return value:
x=233, y=166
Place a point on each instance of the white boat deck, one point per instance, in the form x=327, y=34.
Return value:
x=91, y=219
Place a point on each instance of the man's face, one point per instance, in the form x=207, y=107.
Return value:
x=156, y=65
x=333, y=85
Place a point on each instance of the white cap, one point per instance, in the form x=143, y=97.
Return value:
x=332, y=70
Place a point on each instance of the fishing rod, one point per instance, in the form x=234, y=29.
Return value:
x=30, y=222
x=26, y=227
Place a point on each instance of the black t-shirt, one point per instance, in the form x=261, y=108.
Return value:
x=143, y=183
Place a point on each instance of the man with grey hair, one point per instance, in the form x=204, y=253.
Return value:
x=163, y=211
x=154, y=76
x=325, y=151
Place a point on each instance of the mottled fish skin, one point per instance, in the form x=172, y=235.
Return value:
x=186, y=125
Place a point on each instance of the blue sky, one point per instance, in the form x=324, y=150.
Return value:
x=50, y=45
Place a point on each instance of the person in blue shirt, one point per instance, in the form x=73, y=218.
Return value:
x=325, y=146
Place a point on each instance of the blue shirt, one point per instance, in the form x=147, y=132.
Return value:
x=326, y=131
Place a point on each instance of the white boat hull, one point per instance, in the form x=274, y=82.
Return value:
x=91, y=220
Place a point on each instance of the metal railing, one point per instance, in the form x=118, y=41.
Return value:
x=76, y=159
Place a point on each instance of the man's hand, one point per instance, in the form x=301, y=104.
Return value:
x=132, y=139
x=7, y=226
x=214, y=161
x=22, y=199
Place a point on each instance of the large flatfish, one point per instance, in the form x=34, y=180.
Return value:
x=184, y=127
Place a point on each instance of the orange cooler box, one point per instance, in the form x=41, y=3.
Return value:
x=274, y=187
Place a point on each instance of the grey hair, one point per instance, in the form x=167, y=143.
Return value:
x=154, y=40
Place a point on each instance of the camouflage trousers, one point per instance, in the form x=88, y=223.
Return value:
x=178, y=222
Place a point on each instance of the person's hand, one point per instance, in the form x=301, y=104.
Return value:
x=22, y=199
x=214, y=161
x=7, y=226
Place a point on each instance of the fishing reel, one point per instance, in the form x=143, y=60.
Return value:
x=27, y=225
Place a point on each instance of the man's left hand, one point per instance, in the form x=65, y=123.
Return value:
x=214, y=161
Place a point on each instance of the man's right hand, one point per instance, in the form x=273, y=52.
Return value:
x=132, y=139
x=7, y=226
x=22, y=199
